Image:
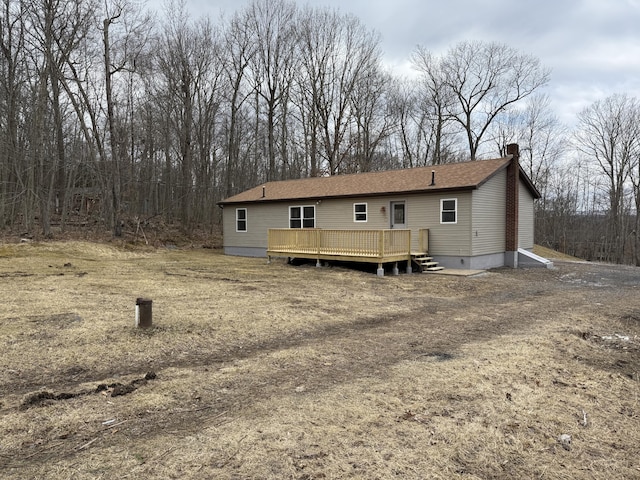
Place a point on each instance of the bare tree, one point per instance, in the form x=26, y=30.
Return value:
x=542, y=138
x=176, y=72
x=121, y=50
x=485, y=79
x=435, y=100
x=236, y=54
x=555, y=227
x=81, y=86
x=185, y=87
x=401, y=100
x=41, y=22
x=337, y=52
x=273, y=67
x=208, y=100
x=370, y=107
x=609, y=133
x=12, y=79
x=56, y=29
x=635, y=182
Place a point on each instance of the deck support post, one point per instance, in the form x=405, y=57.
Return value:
x=396, y=270
x=318, y=263
x=268, y=259
x=409, y=267
x=380, y=271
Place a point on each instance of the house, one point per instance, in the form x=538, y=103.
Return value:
x=470, y=215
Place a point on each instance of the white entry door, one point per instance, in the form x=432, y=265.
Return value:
x=398, y=215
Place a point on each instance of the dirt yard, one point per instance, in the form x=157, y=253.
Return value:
x=256, y=371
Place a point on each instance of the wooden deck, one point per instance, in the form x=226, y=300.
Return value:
x=371, y=246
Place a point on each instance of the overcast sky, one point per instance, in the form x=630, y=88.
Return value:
x=591, y=46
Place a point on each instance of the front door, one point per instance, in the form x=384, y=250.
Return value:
x=398, y=215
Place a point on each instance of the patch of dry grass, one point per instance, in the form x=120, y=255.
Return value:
x=273, y=371
x=553, y=254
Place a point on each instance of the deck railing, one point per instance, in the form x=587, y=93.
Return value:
x=374, y=244
x=423, y=240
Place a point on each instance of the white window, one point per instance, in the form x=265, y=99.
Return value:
x=241, y=219
x=359, y=212
x=449, y=210
x=302, y=217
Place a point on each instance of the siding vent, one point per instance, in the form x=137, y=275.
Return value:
x=433, y=178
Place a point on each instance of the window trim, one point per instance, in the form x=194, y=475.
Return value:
x=365, y=213
x=302, y=218
x=443, y=211
x=245, y=220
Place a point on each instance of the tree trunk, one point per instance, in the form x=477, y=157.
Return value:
x=114, y=170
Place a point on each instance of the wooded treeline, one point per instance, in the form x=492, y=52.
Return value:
x=107, y=112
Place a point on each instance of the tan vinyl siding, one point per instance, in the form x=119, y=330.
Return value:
x=330, y=214
x=337, y=214
x=448, y=239
x=489, y=211
x=422, y=211
x=525, y=218
x=259, y=219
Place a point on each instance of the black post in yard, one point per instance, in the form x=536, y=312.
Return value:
x=143, y=312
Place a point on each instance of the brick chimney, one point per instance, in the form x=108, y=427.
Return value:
x=511, y=225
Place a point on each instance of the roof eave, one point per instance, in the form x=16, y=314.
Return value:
x=356, y=195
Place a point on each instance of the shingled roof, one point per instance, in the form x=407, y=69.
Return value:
x=452, y=176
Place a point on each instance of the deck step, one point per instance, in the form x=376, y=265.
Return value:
x=429, y=264
x=426, y=262
x=433, y=269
